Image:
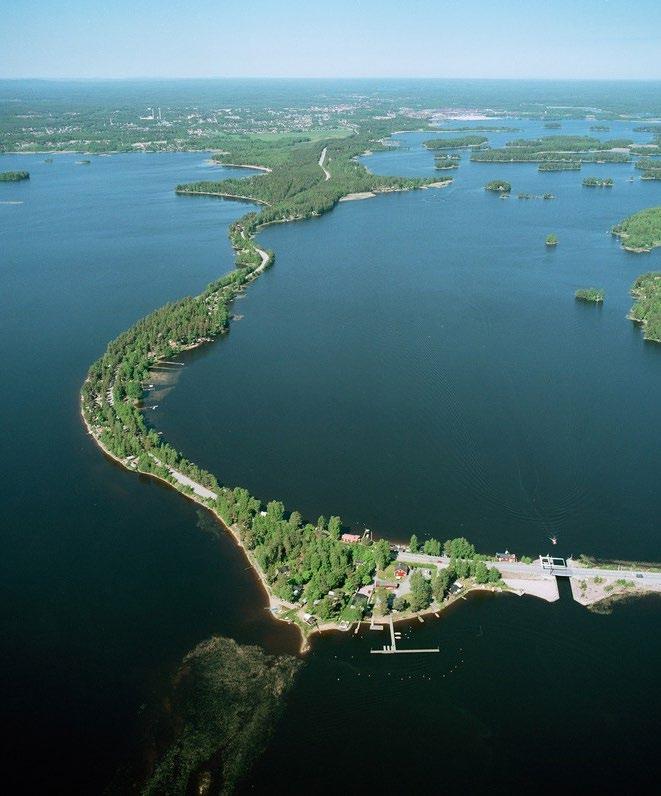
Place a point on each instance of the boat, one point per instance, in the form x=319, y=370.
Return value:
x=553, y=539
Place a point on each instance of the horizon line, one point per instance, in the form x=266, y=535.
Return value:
x=82, y=78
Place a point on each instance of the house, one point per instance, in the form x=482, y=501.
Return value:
x=455, y=588
x=401, y=570
x=350, y=538
x=506, y=557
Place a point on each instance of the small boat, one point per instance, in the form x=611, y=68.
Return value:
x=156, y=407
x=553, y=539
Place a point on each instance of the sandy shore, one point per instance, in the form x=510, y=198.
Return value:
x=353, y=197
x=224, y=196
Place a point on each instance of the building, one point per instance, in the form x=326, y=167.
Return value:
x=401, y=570
x=350, y=538
x=506, y=557
x=455, y=588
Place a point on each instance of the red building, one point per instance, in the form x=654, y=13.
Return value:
x=401, y=571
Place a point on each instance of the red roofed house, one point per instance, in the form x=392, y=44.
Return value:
x=401, y=571
x=350, y=537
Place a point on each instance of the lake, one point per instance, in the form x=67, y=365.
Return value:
x=416, y=363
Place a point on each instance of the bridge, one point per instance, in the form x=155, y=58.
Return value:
x=539, y=578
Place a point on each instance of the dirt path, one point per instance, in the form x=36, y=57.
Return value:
x=322, y=158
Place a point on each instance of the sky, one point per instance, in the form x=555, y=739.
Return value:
x=586, y=39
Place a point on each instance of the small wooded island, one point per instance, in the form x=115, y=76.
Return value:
x=447, y=162
x=592, y=295
x=500, y=186
x=461, y=142
x=552, y=239
x=14, y=176
x=598, y=182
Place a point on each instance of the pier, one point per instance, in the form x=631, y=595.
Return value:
x=391, y=649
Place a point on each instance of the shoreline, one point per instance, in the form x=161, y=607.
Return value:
x=203, y=495
x=234, y=196
x=273, y=602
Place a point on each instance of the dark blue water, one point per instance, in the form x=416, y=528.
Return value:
x=418, y=362
x=413, y=362
x=107, y=579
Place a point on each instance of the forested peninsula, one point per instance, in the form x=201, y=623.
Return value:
x=299, y=563
x=311, y=571
x=647, y=309
x=640, y=232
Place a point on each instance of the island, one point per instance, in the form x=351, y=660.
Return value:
x=462, y=142
x=551, y=239
x=640, y=232
x=647, y=309
x=14, y=176
x=481, y=128
x=545, y=196
x=557, y=148
x=592, y=295
x=598, y=182
x=500, y=186
x=443, y=162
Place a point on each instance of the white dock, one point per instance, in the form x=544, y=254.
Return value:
x=391, y=649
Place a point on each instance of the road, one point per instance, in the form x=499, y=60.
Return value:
x=322, y=158
x=573, y=570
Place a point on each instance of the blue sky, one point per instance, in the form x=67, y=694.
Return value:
x=338, y=38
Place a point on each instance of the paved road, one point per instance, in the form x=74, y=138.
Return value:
x=573, y=570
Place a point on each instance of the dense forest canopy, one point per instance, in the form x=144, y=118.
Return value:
x=456, y=143
x=641, y=231
x=647, y=309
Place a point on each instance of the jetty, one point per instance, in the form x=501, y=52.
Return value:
x=391, y=649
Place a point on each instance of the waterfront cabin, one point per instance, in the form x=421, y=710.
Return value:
x=506, y=557
x=401, y=571
x=350, y=538
x=455, y=588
